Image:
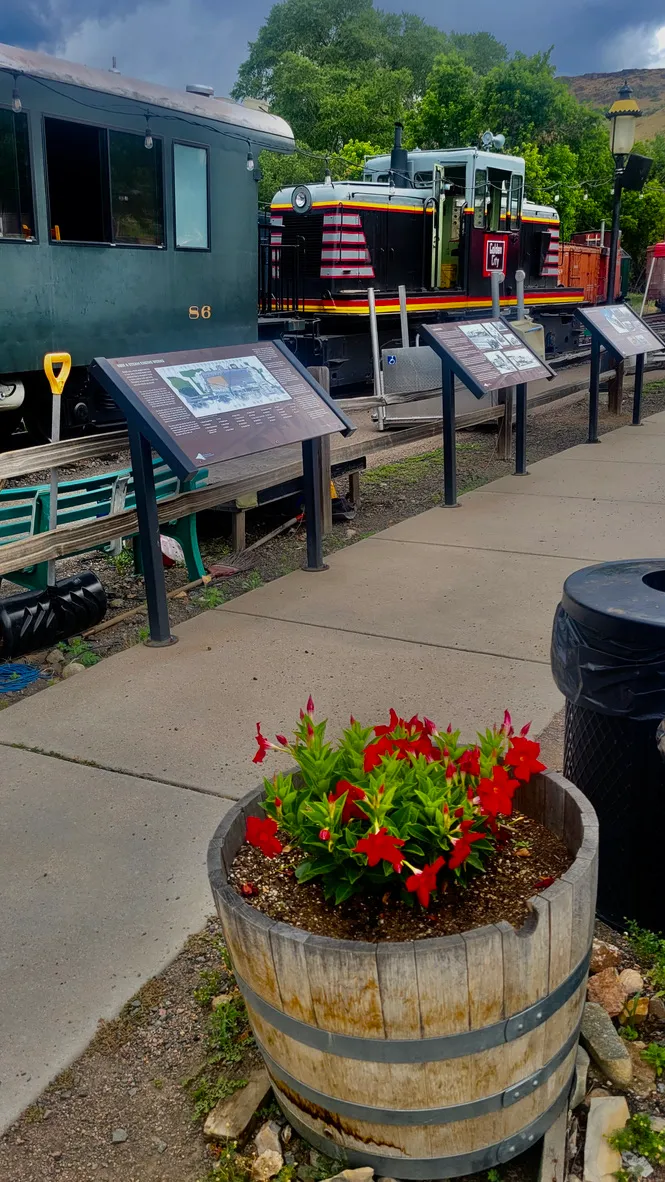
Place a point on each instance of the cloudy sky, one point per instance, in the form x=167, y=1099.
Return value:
x=180, y=41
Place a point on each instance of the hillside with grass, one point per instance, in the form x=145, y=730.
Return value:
x=600, y=91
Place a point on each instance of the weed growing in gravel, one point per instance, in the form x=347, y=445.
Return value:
x=33, y=1115
x=143, y=634
x=650, y=947
x=123, y=562
x=230, y=1167
x=228, y=1026
x=253, y=580
x=641, y=1138
x=205, y=1093
x=212, y=983
x=78, y=649
x=654, y=1055
x=212, y=597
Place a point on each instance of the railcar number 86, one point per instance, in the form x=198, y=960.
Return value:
x=203, y=313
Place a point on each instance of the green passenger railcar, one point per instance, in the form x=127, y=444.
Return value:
x=128, y=217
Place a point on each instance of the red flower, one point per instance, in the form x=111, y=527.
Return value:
x=429, y=727
x=395, y=721
x=264, y=745
x=278, y=803
x=375, y=752
x=260, y=833
x=507, y=724
x=350, y=812
x=543, y=884
x=248, y=889
x=462, y=845
x=423, y=882
x=283, y=740
x=310, y=704
x=496, y=795
x=469, y=762
x=324, y=834
x=522, y=757
x=381, y=846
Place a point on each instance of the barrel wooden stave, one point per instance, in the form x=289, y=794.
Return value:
x=420, y=990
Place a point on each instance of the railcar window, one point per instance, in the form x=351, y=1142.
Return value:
x=190, y=178
x=423, y=180
x=78, y=184
x=480, y=199
x=137, y=204
x=515, y=208
x=16, y=205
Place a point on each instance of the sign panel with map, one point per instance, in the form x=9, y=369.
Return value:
x=486, y=354
x=621, y=329
x=217, y=404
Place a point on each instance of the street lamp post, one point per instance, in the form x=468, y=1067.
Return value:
x=623, y=116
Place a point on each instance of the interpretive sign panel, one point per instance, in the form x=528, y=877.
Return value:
x=486, y=354
x=621, y=329
x=196, y=408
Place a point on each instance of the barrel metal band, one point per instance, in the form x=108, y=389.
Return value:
x=417, y=1168
x=418, y=1050
x=420, y=1116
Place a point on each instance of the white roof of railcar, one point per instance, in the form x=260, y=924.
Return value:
x=255, y=124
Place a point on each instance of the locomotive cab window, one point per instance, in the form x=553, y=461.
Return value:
x=103, y=186
x=16, y=205
x=190, y=183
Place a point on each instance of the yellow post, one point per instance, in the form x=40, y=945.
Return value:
x=57, y=383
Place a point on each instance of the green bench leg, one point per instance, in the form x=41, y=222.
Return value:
x=184, y=531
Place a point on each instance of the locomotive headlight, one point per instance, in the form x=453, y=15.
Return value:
x=301, y=199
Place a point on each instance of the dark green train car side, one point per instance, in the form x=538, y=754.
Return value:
x=127, y=226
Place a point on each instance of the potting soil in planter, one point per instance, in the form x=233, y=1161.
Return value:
x=530, y=857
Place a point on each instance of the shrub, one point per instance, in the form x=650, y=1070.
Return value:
x=399, y=799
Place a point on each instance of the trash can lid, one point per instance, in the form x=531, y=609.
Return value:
x=625, y=600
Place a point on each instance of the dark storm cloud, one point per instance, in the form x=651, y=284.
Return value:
x=185, y=40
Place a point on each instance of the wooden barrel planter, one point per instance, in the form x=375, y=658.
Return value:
x=430, y=1058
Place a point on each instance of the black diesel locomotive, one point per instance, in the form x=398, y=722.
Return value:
x=438, y=222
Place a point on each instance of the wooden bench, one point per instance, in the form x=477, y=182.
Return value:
x=24, y=512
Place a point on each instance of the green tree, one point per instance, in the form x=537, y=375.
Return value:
x=643, y=221
x=481, y=51
x=447, y=116
x=525, y=102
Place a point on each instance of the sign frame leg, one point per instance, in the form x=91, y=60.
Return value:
x=449, y=448
x=594, y=390
x=151, y=553
x=520, y=430
x=637, y=390
x=311, y=469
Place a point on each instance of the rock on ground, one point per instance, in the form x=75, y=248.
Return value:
x=657, y=1008
x=638, y=1167
x=631, y=982
x=605, y=988
x=362, y=1174
x=553, y=1160
x=231, y=1117
x=604, y=956
x=604, y=1045
x=581, y=1073
x=635, y=1011
x=644, y=1076
x=72, y=669
x=267, y=1138
x=267, y=1165
x=605, y=1116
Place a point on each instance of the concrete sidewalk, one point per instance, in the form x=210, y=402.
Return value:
x=102, y=868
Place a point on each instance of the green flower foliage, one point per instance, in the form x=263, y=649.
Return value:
x=388, y=798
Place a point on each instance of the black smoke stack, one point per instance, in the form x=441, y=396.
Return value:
x=399, y=161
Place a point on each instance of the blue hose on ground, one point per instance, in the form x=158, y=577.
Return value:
x=16, y=677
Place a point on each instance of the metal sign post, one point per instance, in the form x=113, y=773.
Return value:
x=485, y=355
x=520, y=430
x=198, y=408
x=622, y=333
x=57, y=384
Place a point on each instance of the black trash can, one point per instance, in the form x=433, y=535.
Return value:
x=608, y=659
